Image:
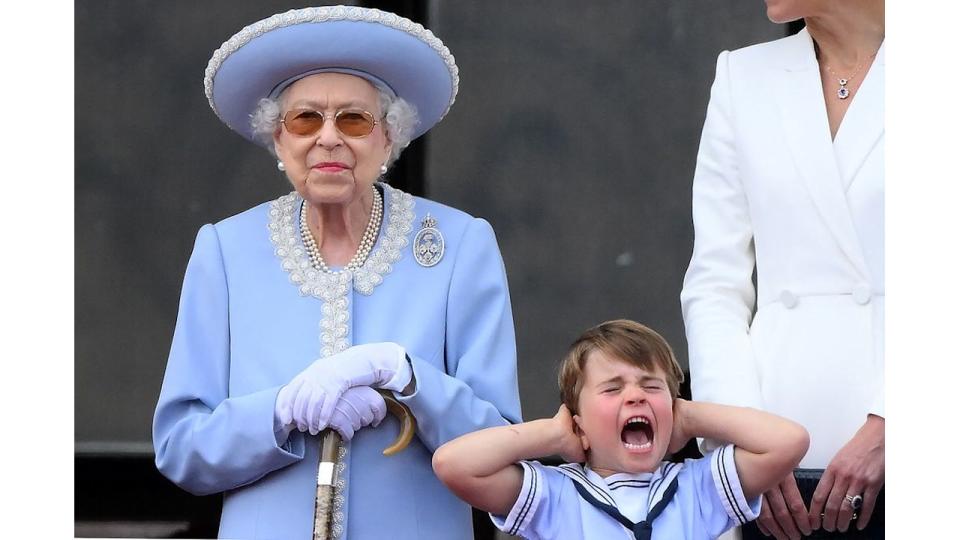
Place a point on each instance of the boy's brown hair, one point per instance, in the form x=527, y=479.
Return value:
x=626, y=340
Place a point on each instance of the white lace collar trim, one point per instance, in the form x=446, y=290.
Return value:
x=289, y=249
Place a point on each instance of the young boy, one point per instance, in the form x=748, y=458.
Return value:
x=621, y=415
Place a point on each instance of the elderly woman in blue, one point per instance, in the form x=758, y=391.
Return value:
x=297, y=313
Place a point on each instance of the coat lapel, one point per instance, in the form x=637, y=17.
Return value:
x=807, y=131
x=863, y=124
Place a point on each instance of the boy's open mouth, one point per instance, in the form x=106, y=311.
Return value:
x=637, y=434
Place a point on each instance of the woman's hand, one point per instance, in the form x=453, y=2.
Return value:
x=569, y=445
x=857, y=469
x=783, y=514
x=308, y=400
x=358, y=407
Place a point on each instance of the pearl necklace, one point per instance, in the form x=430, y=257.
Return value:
x=366, y=242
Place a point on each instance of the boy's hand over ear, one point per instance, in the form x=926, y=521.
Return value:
x=680, y=435
x=569, y=444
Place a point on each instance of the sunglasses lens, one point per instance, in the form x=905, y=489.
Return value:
x=303, y=122
x=355, y=123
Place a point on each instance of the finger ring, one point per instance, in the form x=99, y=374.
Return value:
x=856, y=502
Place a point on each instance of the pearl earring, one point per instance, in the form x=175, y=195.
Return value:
x=280, y=166
x=383, y=169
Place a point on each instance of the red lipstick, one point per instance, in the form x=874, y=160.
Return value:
x=331, y=166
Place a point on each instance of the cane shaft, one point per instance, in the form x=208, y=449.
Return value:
x=326, y=472
x=329, y=448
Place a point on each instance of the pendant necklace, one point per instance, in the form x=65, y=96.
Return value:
x=843, y=92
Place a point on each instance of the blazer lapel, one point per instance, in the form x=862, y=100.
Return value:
x=863, y=125
x=807, y=131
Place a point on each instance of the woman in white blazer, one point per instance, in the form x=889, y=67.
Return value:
x=789, y=182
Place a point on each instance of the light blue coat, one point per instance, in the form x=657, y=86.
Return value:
x=247, y=325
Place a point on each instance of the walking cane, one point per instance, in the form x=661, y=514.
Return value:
x=330, y=446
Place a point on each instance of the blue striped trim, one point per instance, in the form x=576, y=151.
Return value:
x=668, y=471
x=531, y=496
x=629, y=484
x=727, y=488
x=575, y=472
x=655, y=485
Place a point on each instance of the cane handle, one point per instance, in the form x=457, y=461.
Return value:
x=408, y=423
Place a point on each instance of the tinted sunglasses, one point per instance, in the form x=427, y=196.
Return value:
x=350, y=122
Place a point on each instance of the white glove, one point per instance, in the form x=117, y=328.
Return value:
x=358, y=407
x=309, y=399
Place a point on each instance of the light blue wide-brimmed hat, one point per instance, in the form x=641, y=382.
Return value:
x=390, y=51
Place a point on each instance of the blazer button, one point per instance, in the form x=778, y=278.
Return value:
x=861, y=294
x=788, y=298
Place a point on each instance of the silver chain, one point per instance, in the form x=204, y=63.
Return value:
x=843, y=92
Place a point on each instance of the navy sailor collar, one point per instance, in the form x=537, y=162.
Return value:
x=620, y=487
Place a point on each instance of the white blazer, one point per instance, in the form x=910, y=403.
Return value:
x=772, y=191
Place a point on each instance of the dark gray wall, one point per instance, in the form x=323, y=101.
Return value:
x=574, y=134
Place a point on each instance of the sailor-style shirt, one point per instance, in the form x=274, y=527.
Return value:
x=708, y=500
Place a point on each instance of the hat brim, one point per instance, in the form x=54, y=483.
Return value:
x=407, y=58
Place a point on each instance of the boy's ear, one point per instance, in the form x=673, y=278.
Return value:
x=584, y=442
